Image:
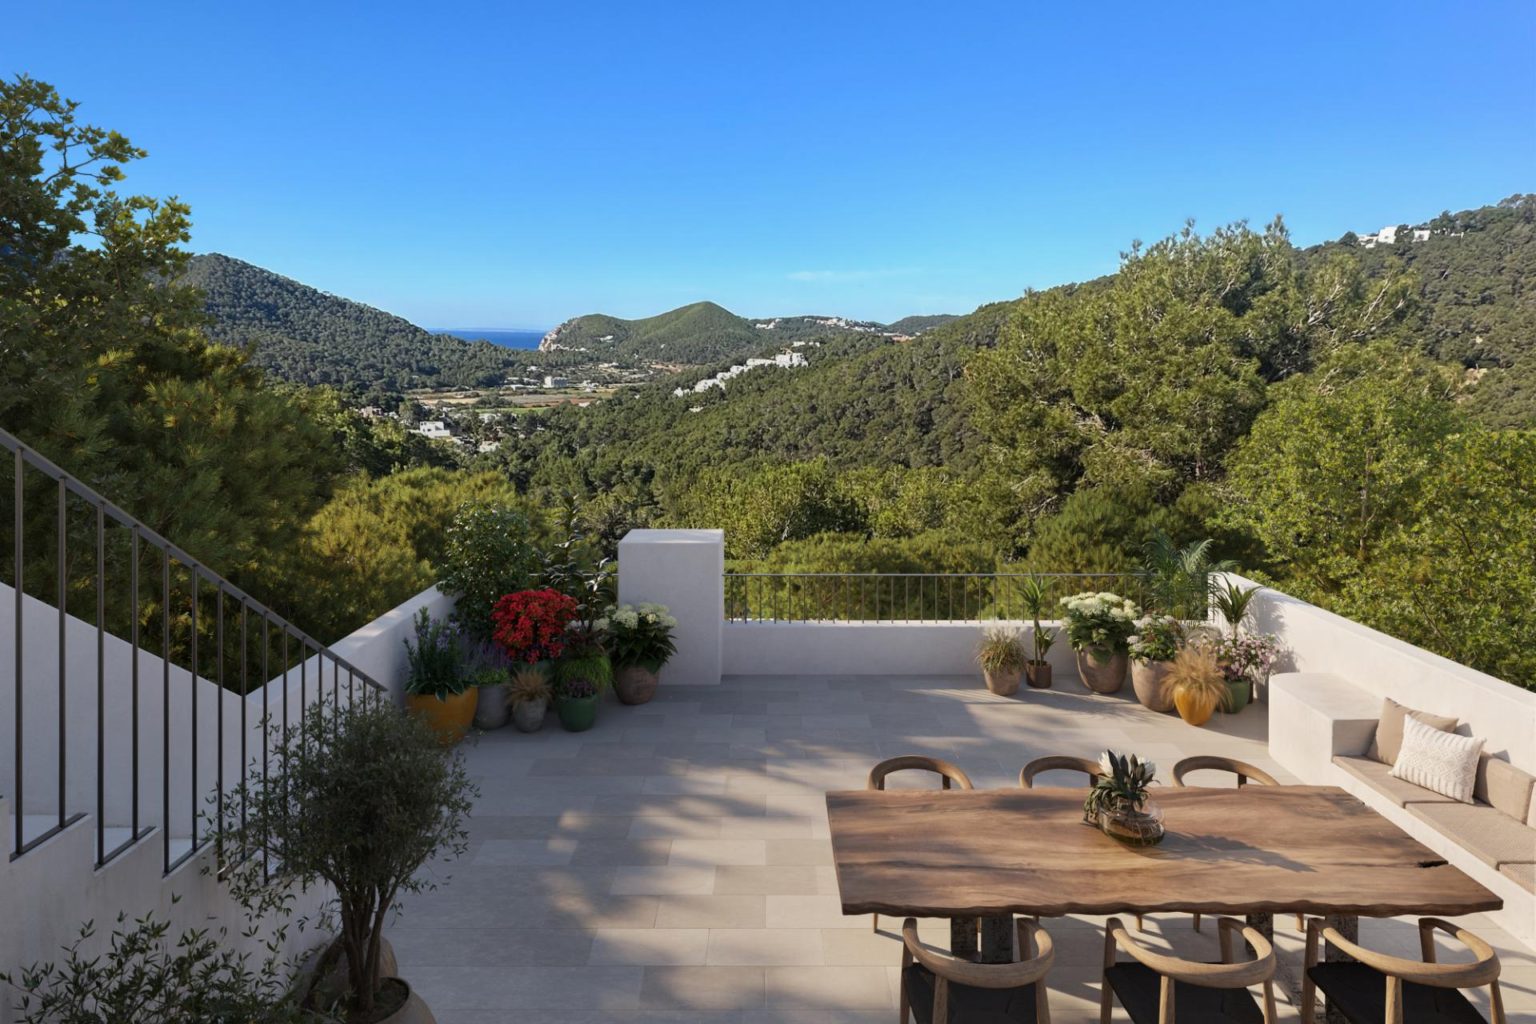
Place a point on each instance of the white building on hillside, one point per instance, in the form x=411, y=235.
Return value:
x=435, y=429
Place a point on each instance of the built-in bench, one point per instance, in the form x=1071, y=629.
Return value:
x=1321, y=728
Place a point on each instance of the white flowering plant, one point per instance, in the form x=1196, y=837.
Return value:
x=1157, y=638
x=638, y=635
x=1100, y=621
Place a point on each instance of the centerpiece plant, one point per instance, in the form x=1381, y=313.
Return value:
x=1154, y=645
x=1119, y=802
x=640, y=642
x=1001, y=657
x=1034, y=591
x=436, y=688
x=1099, y=627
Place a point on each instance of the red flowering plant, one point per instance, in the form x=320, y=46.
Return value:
x=530, y=625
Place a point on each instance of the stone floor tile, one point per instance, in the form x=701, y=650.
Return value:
x=845, y=988
x=710, y=988
x=777, y=879
x=664, y=880
x=764, y=947
x=649, y=946
x=738, y=911
x=720, y=851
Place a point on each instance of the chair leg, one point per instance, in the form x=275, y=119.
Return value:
x=875, y=923
x=1139, y=925
x=1106, y=1000
x=1197, y=920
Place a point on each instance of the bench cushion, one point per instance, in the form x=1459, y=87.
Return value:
x=1379, y=777
x=1389, y=729
x=1523, y=874
x=1488, y=835
x=1504, y=786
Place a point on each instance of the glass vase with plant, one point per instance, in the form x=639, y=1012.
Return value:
x=1035, y=593
x=1099, y=627
x=436, y=687
x=1119, y=802
x=1001, y=658
x=1153, y=647
x=640, y=642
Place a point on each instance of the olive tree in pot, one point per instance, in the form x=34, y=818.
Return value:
x=1001, y=658
x=639, y=639
x=358, y=797
x=1035, y=593
x=1099, y=626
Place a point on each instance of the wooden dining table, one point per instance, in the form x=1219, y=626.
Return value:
x=985, y=855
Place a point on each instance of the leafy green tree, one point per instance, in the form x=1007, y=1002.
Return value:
x=772, y=505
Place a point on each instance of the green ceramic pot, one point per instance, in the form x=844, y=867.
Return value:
x=577, y=714
x=1239, y=693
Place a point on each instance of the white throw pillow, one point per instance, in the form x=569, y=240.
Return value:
x=1439, y=761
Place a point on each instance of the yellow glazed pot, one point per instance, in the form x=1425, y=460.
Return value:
x=448, y=718
x=1196, y=709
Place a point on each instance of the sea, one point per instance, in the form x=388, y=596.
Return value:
x=494, y=335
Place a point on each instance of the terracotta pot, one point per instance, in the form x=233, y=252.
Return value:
x=1150, y=681
x=634, y=684
x=1038, y=674
x=1196, y=709
x=1101, y=673
x=413, y=1011
x=529, y=715
x=491, y=706
x=450, y=718
x=577, y=714
x=1003, y=682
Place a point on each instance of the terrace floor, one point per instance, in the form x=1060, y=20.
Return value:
x=672, y=865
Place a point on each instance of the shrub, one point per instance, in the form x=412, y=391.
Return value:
x=530, y=625
x=1156, y=639
x=435, y=661
x=639, y=635
x=489, y=553
x=1099, y=622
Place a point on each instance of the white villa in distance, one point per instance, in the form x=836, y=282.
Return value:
x=435, y=429
x=1388, y=236
x=787, y=360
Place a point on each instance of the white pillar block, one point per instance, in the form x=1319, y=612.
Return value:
x=684, y=570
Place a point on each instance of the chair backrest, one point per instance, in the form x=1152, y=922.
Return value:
x=1035, y=947
x=1059, y=762
x=1484, y=970
x=949, y=774
x=1227, y=974
x=1244, y=771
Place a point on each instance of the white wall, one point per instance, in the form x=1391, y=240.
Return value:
x=1315, y=640
x=684, y=570
x=868, y=648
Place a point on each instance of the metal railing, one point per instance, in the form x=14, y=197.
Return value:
x=122, y=596
x=905, y=596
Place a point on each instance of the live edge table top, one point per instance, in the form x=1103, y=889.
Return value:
x=1254, y=850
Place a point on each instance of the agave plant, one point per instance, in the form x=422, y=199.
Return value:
x=1122, y=784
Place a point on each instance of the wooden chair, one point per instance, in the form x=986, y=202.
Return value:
x=1156, y=988
x=1245, y=773
x=1058, y=762
x=1381, y=989
x=950, y=776
x=938, y=988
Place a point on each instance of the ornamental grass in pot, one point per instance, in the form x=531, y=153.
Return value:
x=1035, y=592
x=528, y=697
x=359, y=798
x=1197, y=683
x=1153, y=647
x=1099, y=627
x=436, y=690
x=639, y=641
x=1001, y=658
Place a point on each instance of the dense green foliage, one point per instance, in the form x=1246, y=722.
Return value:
x=699, y=333
x=915, y=325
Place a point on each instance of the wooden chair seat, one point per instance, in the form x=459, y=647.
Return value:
x=1359, y=991
x=969, y=1004
x=1139, y=989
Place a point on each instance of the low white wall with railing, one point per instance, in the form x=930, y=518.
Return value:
x=868, y=648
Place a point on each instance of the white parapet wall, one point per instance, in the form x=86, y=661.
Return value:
x=684, y=570
x=868, y=648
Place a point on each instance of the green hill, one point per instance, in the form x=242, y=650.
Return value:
x=307, y=336
x=690, y=335
x=915, y=325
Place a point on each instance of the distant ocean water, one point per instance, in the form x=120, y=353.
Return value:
x=496, y=336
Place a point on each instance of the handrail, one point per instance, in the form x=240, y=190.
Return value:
x=206, y=595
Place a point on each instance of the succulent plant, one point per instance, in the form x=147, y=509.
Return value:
x=1122, y=785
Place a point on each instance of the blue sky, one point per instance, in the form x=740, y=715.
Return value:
x=513, y=164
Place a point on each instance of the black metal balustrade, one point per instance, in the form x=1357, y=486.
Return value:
x=906, y=596
x=76, y=555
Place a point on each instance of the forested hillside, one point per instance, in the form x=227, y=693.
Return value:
x=307, y=336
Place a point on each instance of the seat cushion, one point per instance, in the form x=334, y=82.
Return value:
x=1379, y=777
x=1491, y=837
x=1502, y=785
x=1389, y=729
x=1361, y=993
x=1524, y=874
x=1139, y=988
x=968, y=1004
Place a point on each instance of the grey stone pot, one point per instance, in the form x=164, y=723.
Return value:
x=491, y=707
x=529, y=715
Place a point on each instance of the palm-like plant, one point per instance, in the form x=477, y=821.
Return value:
x=1122, y=784
x=1233, y=601
x=1179, y=578
x=1035, y=593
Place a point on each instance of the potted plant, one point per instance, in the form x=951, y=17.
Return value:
x=1099, y=626
x=528, y=695
x=530, y=625
x=489, y=553
x=1152, y=648
x=1037, y=670
x=581, y=675
x=489, y=671
x=357, y=797
x=1119, y=803
x=1233, y=602
x=1178, y=579
x=639, y=640
x=1245, y=661
x=1197, y=683
x=436, y=690
x=1001, y=658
